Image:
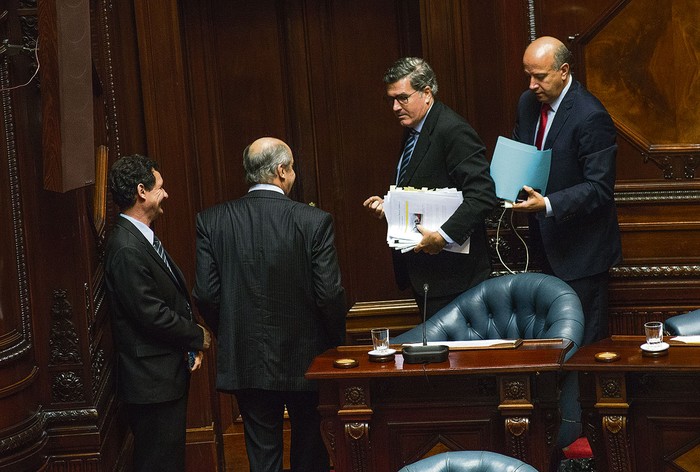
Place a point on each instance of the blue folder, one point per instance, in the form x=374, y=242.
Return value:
x=515, y=164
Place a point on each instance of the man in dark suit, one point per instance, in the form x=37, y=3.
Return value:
x=447, y=153
x=152, y=320
x=268, y=284
x=574, y=227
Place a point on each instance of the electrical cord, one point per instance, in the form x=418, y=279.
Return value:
x=38, y=65
x=498, y=239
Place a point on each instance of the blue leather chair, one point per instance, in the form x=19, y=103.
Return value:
x=687, y=324
x=520, y=306
x=468, y=461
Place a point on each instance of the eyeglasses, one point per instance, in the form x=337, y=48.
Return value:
x=402, y=99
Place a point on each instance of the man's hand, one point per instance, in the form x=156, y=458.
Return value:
x=432, y=241
x=375, y=205
x=533, y=204
x=197, y=361
x=207, y=338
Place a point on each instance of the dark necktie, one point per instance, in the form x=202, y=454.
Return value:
x=543, y=125
x=406, y=155
x=160, y=250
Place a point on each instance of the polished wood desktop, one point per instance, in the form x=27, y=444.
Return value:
x=640, y=413
x=382, y=416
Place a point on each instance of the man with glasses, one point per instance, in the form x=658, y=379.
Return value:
x=441, y=150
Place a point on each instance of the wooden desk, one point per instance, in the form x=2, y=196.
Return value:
x=382, y=416
x=640, y=413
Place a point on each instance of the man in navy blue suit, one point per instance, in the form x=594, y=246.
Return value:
x=573, y=224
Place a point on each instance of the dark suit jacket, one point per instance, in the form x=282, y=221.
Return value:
x=268, y=284
x=582, y=238
x=449, y=153
x=152, y=321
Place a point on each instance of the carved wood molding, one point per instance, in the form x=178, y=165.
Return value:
x=655, y=271
x=23, y=342
x=658, y=196
x=357, y=438
x=33, y=433
x=517, y=429
x=615, y=433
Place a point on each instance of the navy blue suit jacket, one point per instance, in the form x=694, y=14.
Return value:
x=582, y=238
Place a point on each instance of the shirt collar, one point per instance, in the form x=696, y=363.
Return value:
x=420, y=124
x=555, y=104
x=143, y=227
x=273, y=188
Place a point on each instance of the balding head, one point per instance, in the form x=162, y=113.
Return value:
x=546, y=63
x=269, y=161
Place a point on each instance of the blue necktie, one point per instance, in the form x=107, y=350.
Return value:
x=160, y=250
x=406, y=155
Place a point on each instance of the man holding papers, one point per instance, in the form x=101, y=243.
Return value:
x=440, y=151
x=574, y=226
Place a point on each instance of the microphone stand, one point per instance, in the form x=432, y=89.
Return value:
x=425, y=354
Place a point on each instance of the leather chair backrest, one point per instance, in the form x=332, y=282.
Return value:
x=687, y=324
x=468, y=461
x=520, y=306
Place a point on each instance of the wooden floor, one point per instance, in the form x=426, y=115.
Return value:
x=235, y=457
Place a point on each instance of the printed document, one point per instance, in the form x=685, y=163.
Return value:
x=406, y=208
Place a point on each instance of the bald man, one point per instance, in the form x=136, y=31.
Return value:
x=268, y=284
x=573, y=227
x=574, y=232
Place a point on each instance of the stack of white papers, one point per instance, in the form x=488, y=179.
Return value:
x=515, y=164
x=695, y=339
x=406, y=208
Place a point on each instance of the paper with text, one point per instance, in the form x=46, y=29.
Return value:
x=406, y=208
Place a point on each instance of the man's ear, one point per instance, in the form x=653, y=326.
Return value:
x=564, y=70
x=141, y=191
x=281, y=171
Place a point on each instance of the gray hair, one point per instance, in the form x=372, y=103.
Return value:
x=418, y=71
x=562, y=56
x=261, y=167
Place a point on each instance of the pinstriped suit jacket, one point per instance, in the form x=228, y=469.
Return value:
x=268, y=284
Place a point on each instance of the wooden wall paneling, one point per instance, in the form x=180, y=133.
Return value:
x=21, y=425
x=201, y=66
x=250, y=91
x=358, y=138
x=167, y=112
x=445, y=40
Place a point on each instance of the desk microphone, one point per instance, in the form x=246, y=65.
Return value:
x=425, y=354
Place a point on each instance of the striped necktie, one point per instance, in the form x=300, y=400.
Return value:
x=406, y=155
x=160, y=250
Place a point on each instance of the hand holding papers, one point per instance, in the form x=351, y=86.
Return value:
x=406, y=208
x=516, y=164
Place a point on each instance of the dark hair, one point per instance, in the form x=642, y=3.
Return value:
x=562, y=56
x=261, y=167
x=125, y=176
x=418, y=71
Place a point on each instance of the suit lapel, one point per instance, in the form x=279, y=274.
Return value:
x=175, y=274
x=423, y=143
x=562, y=114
